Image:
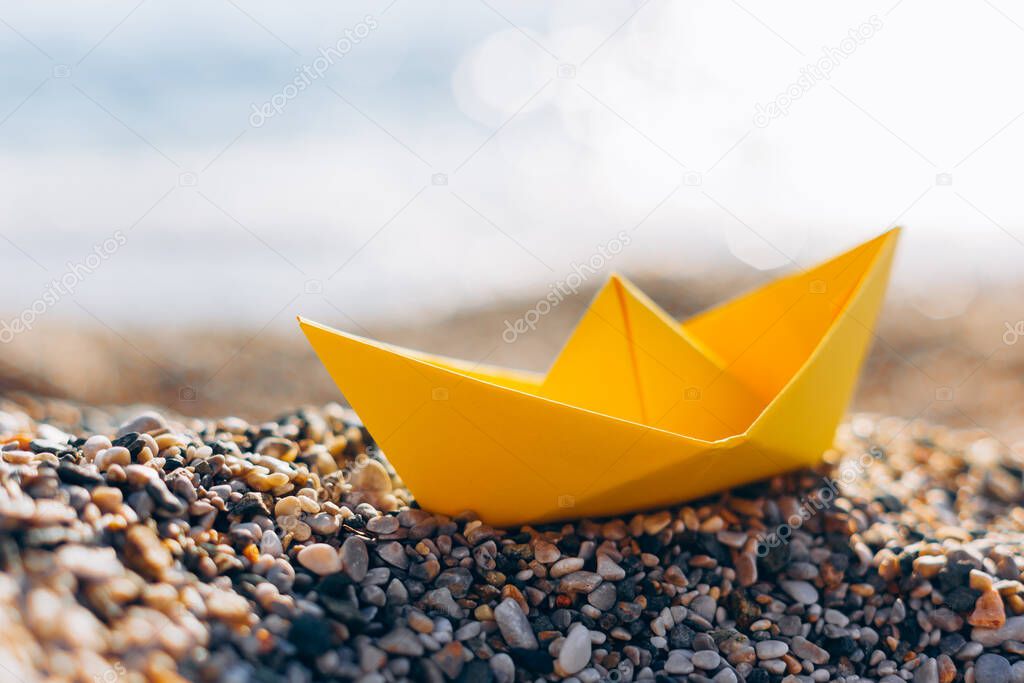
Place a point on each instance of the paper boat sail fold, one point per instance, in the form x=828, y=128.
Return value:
x=637, y=411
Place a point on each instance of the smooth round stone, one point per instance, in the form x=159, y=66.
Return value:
x=89, y=563
x=371, y=477
x=270, y=544
x=566, y=566
x=703, y=641
x=801, y=591
x=575, y=652
x=771, y=649
x=107, y=498
x=148, y=421
x=503, y=668
x=927, y=672
x=546, y=552
x=706, y=659
x=803, y=571
x=805, y=649
x=324, y=524
x=394, y=554
x=282, y=575
x=609, y=569
x=402, y=641
x=789, y=625
x=387, y=524
x=1013, y=629
x=579, y=582
x=746, y=569
x=603, y=597
x=470, y=630
x=515, y=627
x=420, y=622
x=992, y=668
x=725, y=676
x=93, y=445
x=115, y=455
x=320, y=558
x=355, y=558
x=705, y=606
x=397, y=593
x=681, y=636
x=678, y=664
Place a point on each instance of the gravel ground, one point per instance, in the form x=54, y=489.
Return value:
x=159, y=549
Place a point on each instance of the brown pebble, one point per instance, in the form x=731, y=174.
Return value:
x=988, y=611
x=746, y=569
x=107, y=498
x=947, y=669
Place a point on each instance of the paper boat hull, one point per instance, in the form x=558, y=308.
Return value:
x=465, y=438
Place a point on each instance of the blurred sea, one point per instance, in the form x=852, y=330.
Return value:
x=425, y=172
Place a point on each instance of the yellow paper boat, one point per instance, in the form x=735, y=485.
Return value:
x=638, y=411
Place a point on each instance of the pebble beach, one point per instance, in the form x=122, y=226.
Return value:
x=153, y=547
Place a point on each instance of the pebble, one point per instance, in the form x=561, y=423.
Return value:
x=441, y=599
x=928, y=672
x=394, y=554
x=92, y=564
x=988, y=610
x=946, y=619
x=1012, y=629
x=946, y=669
x=515, y=627
x=992, y=668
x=387, y=524
x=801, y=591
x=546, y=552
x=355, y=558
x=771, y=649
x=320, y=558
x=608, y=569
x=94, y=445
x=565, y=566
x=746, y=569
x=468, y=631
x=705, y=606
x=679, y=664
x=681, y=636
x=148, y=421
x=502, y=668
x=603, y=597
x=706, y=659
x=115, y=455
x=401, y=641
x=805, y=649
x=579, y=582
x=575, y=653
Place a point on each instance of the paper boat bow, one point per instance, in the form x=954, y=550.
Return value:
x=638, y=411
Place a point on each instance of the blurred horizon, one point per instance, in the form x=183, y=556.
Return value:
x=419, y=173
